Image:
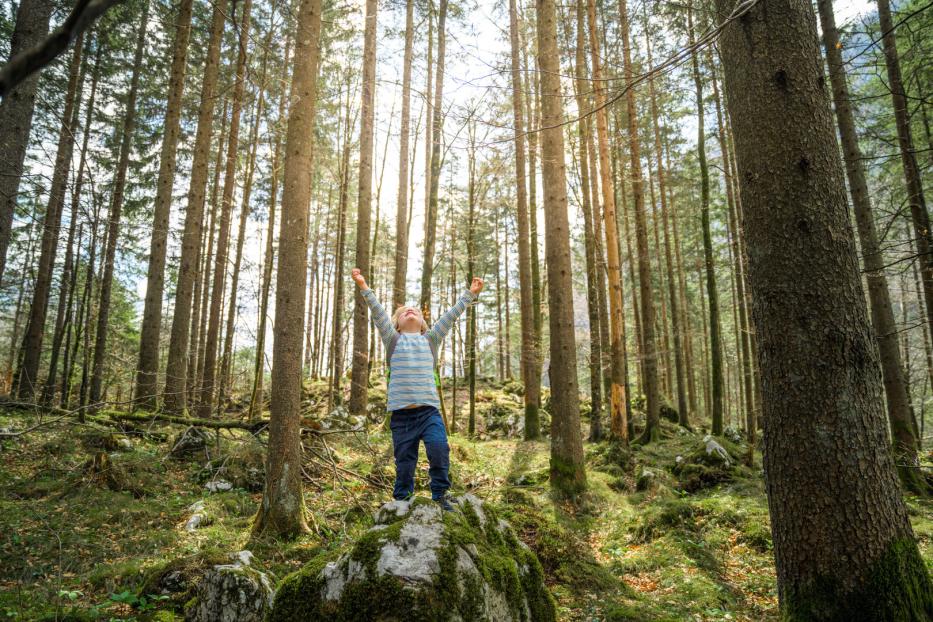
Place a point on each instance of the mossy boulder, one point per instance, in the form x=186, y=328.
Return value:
x=419, y=563
x=706, y=466
x=234, y=592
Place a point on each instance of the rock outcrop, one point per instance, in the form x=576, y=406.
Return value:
x=234, y=592
x=421, y=563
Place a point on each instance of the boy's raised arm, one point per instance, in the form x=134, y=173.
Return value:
x=380, y=317
x=446, y=321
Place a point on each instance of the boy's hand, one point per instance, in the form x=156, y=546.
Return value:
x=358, y=278
x=476, y=286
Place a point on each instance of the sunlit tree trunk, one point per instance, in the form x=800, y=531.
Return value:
x=567, y=474
x=530, y=344
x=359, y=384
x=282, y=512
x=437, y=128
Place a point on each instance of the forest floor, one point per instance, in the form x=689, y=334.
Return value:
x=73, y=546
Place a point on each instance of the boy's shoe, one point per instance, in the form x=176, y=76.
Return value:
x=444, y=502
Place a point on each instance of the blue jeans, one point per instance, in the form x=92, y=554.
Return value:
x=409, y=427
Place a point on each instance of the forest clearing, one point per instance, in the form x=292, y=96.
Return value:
x=650, y=282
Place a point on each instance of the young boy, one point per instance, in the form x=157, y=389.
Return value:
x=411, y=350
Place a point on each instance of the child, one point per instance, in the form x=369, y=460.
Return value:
x=411, y=351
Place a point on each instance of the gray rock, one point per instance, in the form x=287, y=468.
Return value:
x=234, y=592
x=414, y=552
x=218, y=485
x=716, y=451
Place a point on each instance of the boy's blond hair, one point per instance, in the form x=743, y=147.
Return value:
x=398, y=314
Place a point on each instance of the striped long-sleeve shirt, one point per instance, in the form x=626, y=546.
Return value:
x=412, y=379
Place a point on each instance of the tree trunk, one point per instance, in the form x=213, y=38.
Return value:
x=592, y=276
x=666, y=209
x=437, y=128
x=147, y=372
x=618, y=424
x=882, y=315
x=114, y=215
x=65, y=287
x=530, y=344
x=359, y=379
x=32, y=25
x=256, y=398
x=401, y=215
x=824, y=424
x=212, y=338
x=282, y=512
x=712, y=295
x=567, y=473
x=913, y=180
x=176, y=368
x=27, y=378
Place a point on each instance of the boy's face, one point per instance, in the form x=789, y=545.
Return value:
x=410, y=320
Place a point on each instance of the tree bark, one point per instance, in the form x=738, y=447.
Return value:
x=437, y=128
x=401, y=215
x=618, y=424
x=652, y=397
x=282, y=511
x=913, y=180
x=592, y=275
x=530, y=345
x=712, y=295
x=567, y=474
x=666, y=208
x=824, y=424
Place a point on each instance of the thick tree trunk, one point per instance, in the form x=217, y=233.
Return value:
x=530, y=344
x=359, y=378
x=282, y=511
x=114, y=215
x=567, y=473
x=32, y=25
x=824, y=423
x=176, y=368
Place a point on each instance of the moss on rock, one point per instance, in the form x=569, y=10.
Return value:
x=422, y=564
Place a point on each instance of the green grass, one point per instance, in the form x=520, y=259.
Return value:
x=67, y=544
